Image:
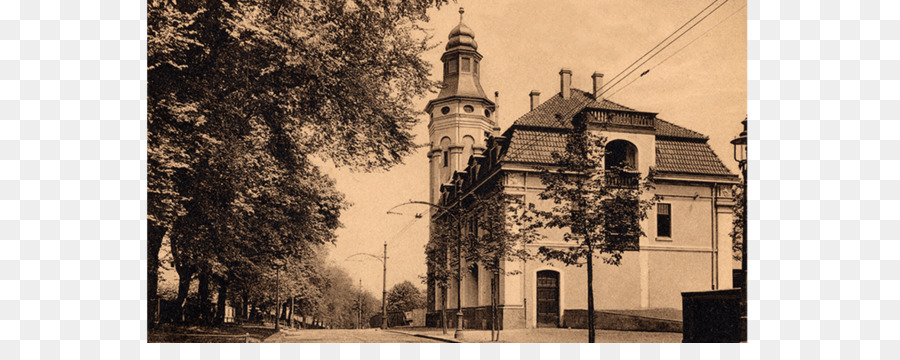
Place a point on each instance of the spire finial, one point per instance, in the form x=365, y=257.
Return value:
x=461, y=11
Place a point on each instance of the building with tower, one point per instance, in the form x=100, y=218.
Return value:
x=687, y=246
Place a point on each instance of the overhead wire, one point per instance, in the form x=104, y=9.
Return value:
x=611, y=86
x=588, y=99
x=661, y=42
x=677, y=51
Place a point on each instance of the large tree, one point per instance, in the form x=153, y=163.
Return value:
x=242, y=95
x=404, y=297
x=601, y=220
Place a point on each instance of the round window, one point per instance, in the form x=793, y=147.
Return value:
x=445, y=110
x=468, y=108
x=487, y=113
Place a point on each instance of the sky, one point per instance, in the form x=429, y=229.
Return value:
x=525, y=43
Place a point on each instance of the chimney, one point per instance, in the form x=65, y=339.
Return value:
x=496, y=113
x=565, y=83
x=598, y=84
x=535, y=98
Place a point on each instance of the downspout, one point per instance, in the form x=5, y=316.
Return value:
x=715, y=238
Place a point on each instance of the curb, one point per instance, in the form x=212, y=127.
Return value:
x=425, y=336
x=274, y=338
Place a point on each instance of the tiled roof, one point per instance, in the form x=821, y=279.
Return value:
x=688, y=157
x=536, y=135
x=534, y=146
x=545, y=115
x=665, y=128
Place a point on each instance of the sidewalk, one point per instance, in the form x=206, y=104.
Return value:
x=228, y=333
x=546, y=335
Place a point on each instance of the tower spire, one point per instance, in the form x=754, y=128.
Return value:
x=461, y=11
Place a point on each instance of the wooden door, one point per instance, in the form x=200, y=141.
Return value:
x=547, y=298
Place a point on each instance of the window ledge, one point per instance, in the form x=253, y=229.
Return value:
x=664, y=238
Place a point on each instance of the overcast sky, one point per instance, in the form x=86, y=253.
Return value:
x=525, y=44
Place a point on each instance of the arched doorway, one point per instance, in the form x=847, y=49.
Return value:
x=547, y=298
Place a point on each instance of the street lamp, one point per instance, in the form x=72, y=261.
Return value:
x=446, y=210
x=740, y=155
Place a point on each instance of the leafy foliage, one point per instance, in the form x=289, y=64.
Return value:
x=602, y=220
x=405, y=297
x=739, y=222
x=501, y=229
x=243, y=95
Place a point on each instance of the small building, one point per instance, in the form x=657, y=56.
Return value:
x=687, y=246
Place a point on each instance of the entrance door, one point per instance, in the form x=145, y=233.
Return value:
x=547, y=298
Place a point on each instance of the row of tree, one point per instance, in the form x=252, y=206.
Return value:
x=243, y=96
x=599, y=220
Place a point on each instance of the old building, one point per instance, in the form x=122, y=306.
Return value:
x=687, y=246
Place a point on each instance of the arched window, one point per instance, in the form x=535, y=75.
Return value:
x=621, y=154
x=621, y=164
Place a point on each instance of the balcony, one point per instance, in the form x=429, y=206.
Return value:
x=627, y=179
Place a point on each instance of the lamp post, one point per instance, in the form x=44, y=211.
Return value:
x=740, y=155
x=446, y=210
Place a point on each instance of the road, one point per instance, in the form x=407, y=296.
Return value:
x=349, y=336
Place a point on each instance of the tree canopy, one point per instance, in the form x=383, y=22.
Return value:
x=243, y=95
x=405, y=297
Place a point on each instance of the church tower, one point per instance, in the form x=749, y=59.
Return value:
x=462, y=116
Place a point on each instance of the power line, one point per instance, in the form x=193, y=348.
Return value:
x=677, y=51
x=664, y=47
x=611, y=86
x=661, y=42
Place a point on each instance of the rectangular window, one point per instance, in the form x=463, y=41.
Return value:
x=466, y=64
x=476, y=66
x=446, y=159
x=664, y=220
x=454, y=66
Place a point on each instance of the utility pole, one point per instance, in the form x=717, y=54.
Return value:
x=359, y=306
x=384, y=289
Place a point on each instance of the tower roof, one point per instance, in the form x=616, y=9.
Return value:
x=462, y=35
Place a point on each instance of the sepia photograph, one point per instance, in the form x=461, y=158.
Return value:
x=431, y=171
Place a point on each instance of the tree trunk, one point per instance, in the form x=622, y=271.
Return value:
x=220, y=303
x=590, y=299
x=155, y=235
x=291, y=315
x=203, y=293
x=184, y=286
x=246, y=305
x=493, y=312
x=444, y=308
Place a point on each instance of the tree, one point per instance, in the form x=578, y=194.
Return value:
x=437, y=257
x=405, y=297
x=739, y=222
x=501, y=229
x=242, y=95
x=602, y=220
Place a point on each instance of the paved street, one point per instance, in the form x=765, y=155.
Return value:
x=347, y=336
x=407, y=335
